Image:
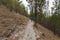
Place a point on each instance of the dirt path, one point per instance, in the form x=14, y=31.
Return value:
x=24, y=30
x=29, y=32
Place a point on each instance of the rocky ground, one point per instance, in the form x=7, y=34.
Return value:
x=14, y=26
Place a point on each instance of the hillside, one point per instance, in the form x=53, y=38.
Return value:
x=10, y=21
x=14, y=26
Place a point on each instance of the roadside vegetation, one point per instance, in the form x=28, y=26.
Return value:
x=51, y=22
x=14, y=5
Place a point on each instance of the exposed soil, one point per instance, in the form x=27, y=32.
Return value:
x=14, y=26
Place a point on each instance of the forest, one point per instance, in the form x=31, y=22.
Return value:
x=51, y=22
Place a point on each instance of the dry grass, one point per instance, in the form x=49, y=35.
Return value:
x=44, y=33
x=9, y=20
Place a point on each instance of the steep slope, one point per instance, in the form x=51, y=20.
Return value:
x=44, y=33
x=14, y=26
x=10, y=22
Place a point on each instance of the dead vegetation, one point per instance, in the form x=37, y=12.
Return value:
x=9, y=21
x=44, y=33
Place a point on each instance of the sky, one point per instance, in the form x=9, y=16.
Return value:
x=49, y=5
x=25, y=3
x=48, y=8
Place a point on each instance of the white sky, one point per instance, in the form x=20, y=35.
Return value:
x=24, y=2
x=49, y=10
x=48, y=7
x=51, y=4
